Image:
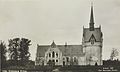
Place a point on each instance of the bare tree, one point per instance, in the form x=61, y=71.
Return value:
x=114, y=54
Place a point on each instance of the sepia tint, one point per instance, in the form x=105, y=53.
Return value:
x=59, y=36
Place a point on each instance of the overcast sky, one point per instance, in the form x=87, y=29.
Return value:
x=43, y=21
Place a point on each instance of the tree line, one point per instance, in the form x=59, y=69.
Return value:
x=16, y=53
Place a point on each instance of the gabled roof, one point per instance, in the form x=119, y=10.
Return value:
x=92, y=38
x=53, y=45
x=87, y=34
x=69, y=50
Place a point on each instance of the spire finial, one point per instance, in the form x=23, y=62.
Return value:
x=91, y=24
x=92, y=3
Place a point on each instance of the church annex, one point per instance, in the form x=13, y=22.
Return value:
x=89, y=53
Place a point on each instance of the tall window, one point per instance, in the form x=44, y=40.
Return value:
x=56, y=54
x=56, y=60
x=67, y=59
x=75, y=59
x=53, y=60
x=49, y=54
x=53, y=54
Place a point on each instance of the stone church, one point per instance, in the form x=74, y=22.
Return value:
x=89, y=53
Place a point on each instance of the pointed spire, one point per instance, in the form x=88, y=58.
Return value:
x=91, y=16
x=53, y=45
x=91, y=24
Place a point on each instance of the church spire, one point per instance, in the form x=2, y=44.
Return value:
x=91, y=24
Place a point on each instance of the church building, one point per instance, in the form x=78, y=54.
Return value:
x=89, y=53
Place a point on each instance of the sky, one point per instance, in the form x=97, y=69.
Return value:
x=43, y=21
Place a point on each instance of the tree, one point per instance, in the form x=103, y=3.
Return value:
x=19, y=50
x=24, y=50
x=13, y=50
x=114, y=54
x=3, y=51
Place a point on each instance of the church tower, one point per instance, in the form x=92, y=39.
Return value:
x=92, y=42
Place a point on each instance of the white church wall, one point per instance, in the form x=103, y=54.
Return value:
x=81, y=60
x=95, y=52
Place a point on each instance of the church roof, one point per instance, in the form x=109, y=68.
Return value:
x=92, y=31
x=87, y=34
x=69, y=50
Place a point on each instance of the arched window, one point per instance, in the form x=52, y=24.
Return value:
x=67, y=59
x=53, y=54
x=63, y=63
x=49, y=61
x=96, y=64
x=49, y=54
x=56, y=54
x=74, y=59
x=56, y=60
x=42, y=63
x=53, y=61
